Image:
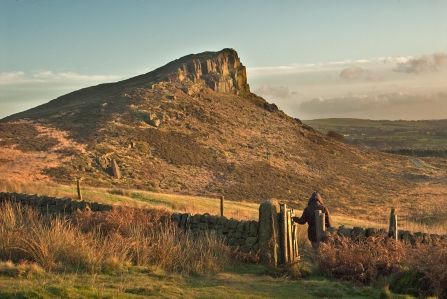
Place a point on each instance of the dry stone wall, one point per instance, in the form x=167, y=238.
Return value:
x=242, y=234
x=50, y=204
x=238, y=234
x=405, y=236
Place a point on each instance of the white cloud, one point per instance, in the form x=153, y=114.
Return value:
x=425, y=63
x=281, y=92
x=398, y=59
x=353, y=72
x=440, y=58
x=17, y=78
x=357, y=72
x=12, y=78
x=340, y=62
x=352, y=103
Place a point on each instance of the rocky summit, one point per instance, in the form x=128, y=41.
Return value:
x=193, y=127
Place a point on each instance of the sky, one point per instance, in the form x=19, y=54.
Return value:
x=313, y=59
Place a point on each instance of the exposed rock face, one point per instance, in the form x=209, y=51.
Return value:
x=222, y=72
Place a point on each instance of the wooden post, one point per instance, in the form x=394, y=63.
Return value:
x=319, y=224
x=283, y=232
x=78, y=183
x=221, y=205
x=393, y=225
x=295, y=243
x=289, y=237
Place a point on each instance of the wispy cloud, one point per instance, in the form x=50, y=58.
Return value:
x=425, y=63
x=357, y=72
x=353, y=72
x=12, y=78
x=364, y=102
x=280, y=92
x=17, y=78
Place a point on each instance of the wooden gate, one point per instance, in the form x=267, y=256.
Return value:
x=288, y=236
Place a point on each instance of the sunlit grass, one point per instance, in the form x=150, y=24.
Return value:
x=201, y=205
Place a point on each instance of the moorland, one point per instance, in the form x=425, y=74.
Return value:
x=192, y=130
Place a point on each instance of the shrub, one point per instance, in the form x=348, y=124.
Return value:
x=336, y=136
x=419, y=271
x=361, y=260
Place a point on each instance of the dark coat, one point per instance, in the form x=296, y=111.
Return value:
x=315, y=203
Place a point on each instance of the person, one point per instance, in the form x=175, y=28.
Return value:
x=315, y=203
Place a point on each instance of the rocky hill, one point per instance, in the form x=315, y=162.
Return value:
x=193, y=127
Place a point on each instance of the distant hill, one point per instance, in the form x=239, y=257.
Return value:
x=193, y=127
x=420, y=137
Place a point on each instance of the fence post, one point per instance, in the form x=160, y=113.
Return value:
x=393, y=225
x=269, y=233
x=283, y=232
x=78, y=184
x=319, y=224
x=222, y=205
x=289, y=236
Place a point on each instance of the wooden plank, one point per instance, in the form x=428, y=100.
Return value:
x=295, y=242
x=289, y=237
x=283, y=232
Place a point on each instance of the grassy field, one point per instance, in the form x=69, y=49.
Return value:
x=244, y=281
x=200, y=205
x=47, y=261
x=386, y=134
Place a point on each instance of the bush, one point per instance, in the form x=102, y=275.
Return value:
x=336, y=136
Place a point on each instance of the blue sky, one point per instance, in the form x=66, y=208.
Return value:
x=314, y=59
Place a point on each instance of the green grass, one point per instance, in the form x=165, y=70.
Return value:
x=385, y=134
x=245, y=281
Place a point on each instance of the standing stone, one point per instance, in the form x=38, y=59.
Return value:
x=268, y=239
x=115, y=169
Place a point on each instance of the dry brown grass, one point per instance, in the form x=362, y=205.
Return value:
x=28, y=151
x=373, y=258
x=107, y=242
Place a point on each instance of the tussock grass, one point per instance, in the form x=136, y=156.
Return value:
x=419, y=271
x=107, y=242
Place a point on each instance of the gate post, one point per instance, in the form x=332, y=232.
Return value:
x=269, y=233
x=393, y=225
x=283, y=232
x=320, y=224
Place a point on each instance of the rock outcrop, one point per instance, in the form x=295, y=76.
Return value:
x=221, y=71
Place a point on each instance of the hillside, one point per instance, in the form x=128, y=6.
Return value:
x=193, y=127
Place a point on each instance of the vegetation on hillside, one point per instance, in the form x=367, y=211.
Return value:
x=168, y=133
x=132, y=243
x=423, y=138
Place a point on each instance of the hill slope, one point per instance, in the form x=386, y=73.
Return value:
x=193, y=127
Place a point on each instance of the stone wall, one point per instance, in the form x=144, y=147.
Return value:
x=242, y=234
x=50, y=204
x=238, y=234
x=403, y=235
